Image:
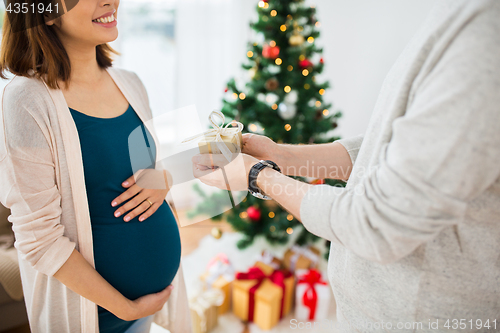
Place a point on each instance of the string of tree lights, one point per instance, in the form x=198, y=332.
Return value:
x=283, y=99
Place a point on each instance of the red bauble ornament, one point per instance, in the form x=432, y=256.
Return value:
x=253, y=213
x=318, y=181
x=226, y=90
x=321, y=61
x=270, y=52
x=305, y=63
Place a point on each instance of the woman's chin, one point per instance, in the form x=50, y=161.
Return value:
x=108, y=39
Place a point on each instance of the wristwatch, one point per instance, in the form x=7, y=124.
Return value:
x=252, y=177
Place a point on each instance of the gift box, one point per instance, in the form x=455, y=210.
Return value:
x=312, y=295
x=203, y=309
x=263, y=295
x=220, y=274
x=220, y=139
x=301, y=258
x=269, y=259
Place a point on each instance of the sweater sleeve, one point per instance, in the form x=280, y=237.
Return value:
x=27, y=175
x=352, y=146
x=443, y=153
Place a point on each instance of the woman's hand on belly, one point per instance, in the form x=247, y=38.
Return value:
x=147, y=305
x=146, y=190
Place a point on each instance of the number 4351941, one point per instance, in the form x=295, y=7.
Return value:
x=463, y=324
x=25, y=7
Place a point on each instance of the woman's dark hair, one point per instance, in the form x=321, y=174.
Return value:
x=30, y=44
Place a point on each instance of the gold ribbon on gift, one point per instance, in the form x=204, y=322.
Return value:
x=219, y=132
x=302, y=251
x=203, y=301
x=268, y=258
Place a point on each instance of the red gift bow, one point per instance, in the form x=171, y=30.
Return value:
x=312, y=278
x=255, y=273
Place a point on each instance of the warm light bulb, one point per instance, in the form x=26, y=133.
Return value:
x=289, y=231
x=252, y=127
x=289, y=217
x=318, y=24
x=283, y=28
x=287, y=89
x=325, y=112
x=318, y=104
x=274, y=12
x=243, y=215
x=278, y=61
x=275, y=106
x=305, y=72
x=310, y=40
x=321, y=91
x=288, y=127
x=290, y=68
x=302, y=57
x=242, y=96
x=272, y=43
x=261, y=4
x=249, y=54
x=235, y=95
x=307, y=86
x=271, y=214
x=266, y=5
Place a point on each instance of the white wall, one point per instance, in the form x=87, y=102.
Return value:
x=362, y=39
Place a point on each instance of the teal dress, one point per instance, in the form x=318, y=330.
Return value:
x=137, y=258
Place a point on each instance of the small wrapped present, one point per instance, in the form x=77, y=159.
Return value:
x=269, y=259
x=301, y=258
x=220, y=275
x=220, y=140
x=263, y=295
x=312, y=295
x=203, y=308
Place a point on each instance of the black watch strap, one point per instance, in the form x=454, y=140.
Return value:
x=254, y=172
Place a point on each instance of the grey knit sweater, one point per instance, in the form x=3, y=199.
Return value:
x=416, y=232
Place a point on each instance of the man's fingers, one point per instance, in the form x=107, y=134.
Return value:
x=210, y=160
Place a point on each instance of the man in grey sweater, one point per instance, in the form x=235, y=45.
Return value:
x=416, y=232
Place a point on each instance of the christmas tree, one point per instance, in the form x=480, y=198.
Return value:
x=282, y=100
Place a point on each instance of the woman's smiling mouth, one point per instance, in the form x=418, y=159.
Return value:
x=106, y=20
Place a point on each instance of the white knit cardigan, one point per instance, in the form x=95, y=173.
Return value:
x=42, y=182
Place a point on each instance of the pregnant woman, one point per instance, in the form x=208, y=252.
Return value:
x=97, y=252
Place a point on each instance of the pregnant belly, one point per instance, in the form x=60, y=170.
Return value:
x=137, y=258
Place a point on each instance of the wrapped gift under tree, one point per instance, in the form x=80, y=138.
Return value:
x=298, y=257
x=263, y=295
x=220, y=274
x=312, y=295
x=203, y=308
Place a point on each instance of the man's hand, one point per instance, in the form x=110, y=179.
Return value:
x=263, y=148
x=209, y=169
x=146, y=190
